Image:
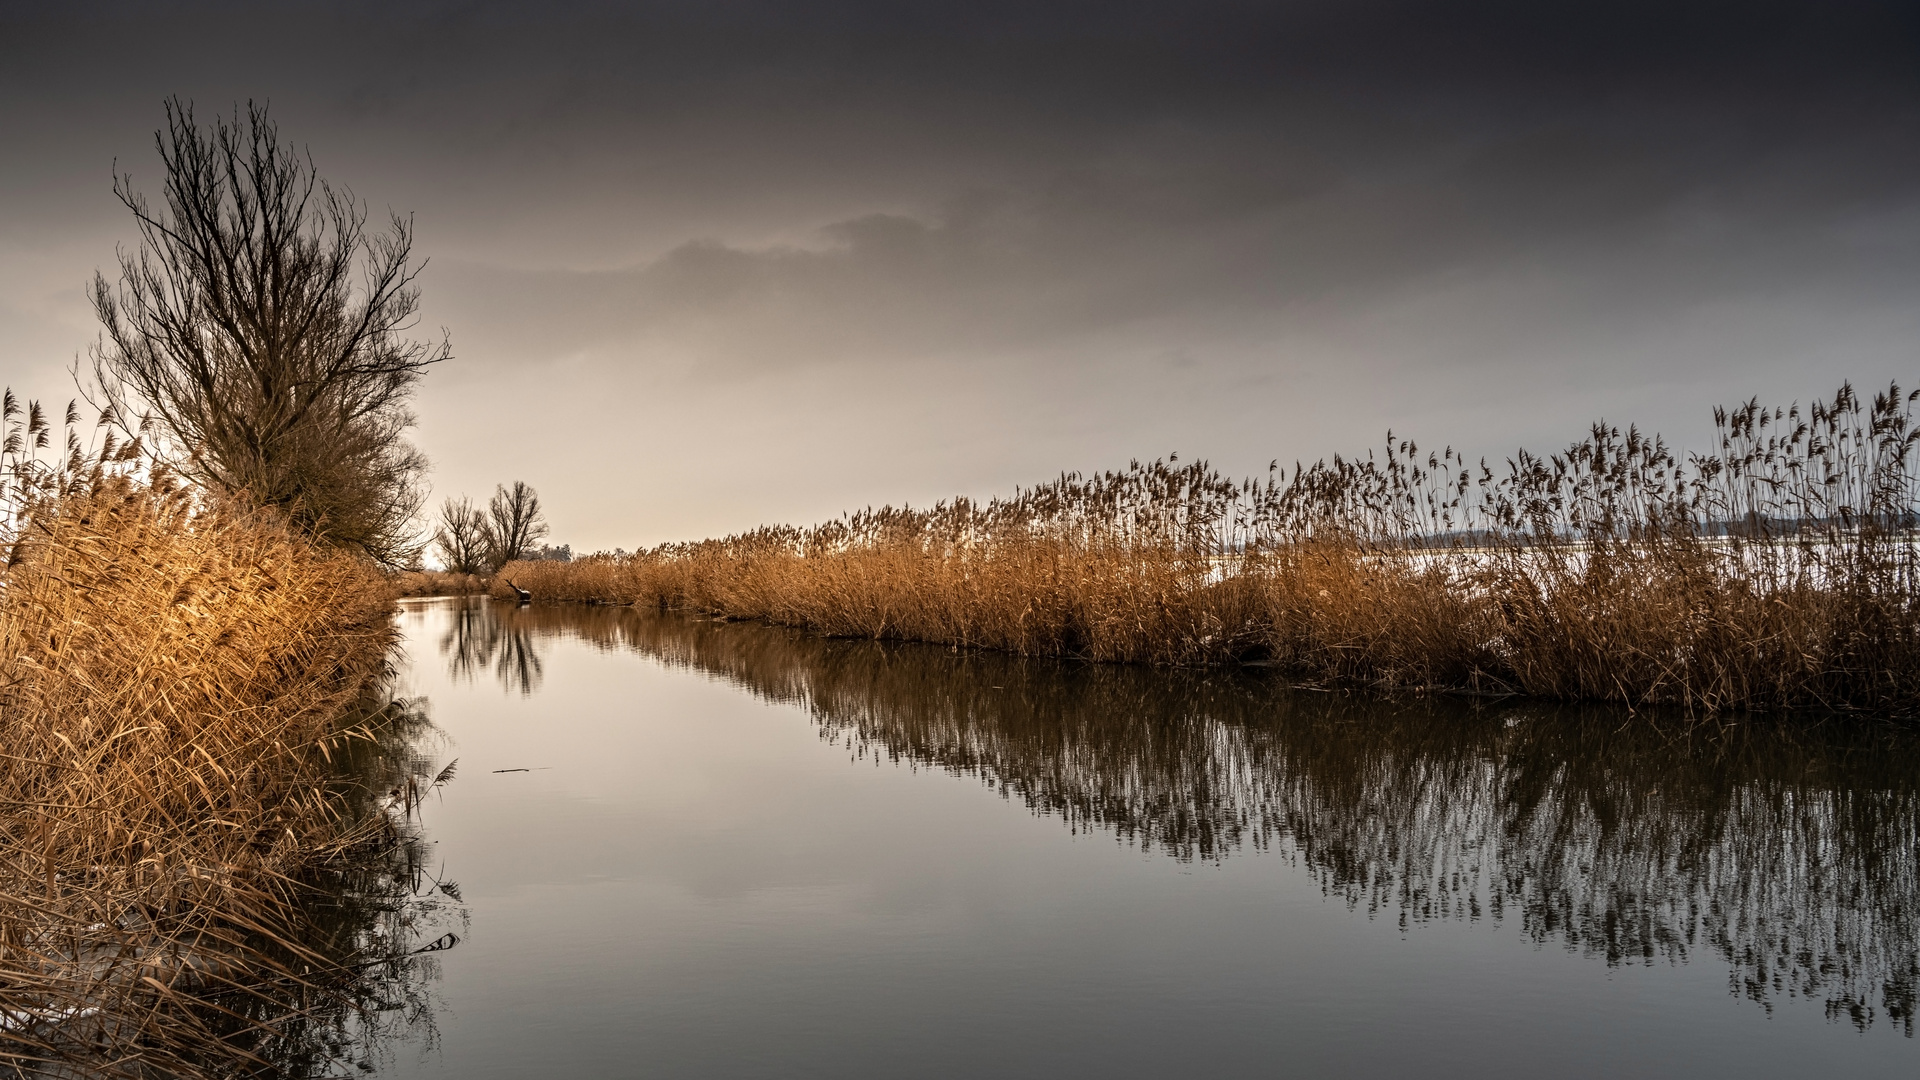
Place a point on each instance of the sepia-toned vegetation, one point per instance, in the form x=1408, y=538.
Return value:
x=409, y=583
x=207, y=859
x=194, y=868
x=1777, y=571
x=470, y=541
x=262, y=328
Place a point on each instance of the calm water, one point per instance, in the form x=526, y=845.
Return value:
x=738, y=851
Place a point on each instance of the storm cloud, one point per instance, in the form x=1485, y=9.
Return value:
x=710, y=264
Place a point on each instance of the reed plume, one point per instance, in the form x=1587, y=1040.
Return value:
x=1776, y=571
x=195, y=735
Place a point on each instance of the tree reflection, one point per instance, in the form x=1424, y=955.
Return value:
x=1787, y=850
x=483, y=635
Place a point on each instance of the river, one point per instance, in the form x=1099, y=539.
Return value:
x=688, y=848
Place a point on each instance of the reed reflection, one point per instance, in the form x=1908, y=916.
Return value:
x=1787, y=852
x=329, y=987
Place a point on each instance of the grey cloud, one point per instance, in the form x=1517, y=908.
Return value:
x=1005, y=238
x=1641, y=227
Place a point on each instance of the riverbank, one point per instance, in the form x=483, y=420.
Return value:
x=194, y=700
x=437, y=583
x=1779, y=572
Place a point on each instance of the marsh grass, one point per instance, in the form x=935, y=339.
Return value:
x=437, y=583
x=1777, y=571
x=194, y=854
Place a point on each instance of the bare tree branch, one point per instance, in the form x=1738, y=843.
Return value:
x=264, y=329
x=514, y=523
x=461, y=537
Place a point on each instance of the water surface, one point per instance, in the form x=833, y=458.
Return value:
x=741, y=851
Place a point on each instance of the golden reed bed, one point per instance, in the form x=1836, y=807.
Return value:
x=182, y=691
x=1779, y=571
x=437, y=583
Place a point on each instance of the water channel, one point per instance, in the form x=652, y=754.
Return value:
x=687, y=848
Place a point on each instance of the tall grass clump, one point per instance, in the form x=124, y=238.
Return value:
x=1777, y=570
x=184, y=686
x=409, y=583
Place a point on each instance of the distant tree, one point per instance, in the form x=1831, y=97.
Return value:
x=514, y=523
x=460, y=537
x=262, y=327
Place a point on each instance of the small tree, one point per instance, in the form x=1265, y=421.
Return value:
x=461, y=537
x=514, y=523
x=263, y=328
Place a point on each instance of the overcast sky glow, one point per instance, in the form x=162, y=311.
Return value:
x=712, y=264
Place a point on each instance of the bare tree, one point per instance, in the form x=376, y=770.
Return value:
x=461, y=537
x=514, y=523
x=264, y=329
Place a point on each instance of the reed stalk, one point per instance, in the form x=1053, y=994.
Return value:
x=1777, y=571
x=195, y=736
x=410, y=583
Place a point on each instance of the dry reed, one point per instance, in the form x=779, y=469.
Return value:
x=191, y=713
x=437, y=583
x=1778, y=571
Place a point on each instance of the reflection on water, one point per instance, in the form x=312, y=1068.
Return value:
x=1787, y=854
x=481, y=636
x=327, y=989
x=384, y=911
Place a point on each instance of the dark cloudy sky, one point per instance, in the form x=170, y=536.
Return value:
x=708, y=264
